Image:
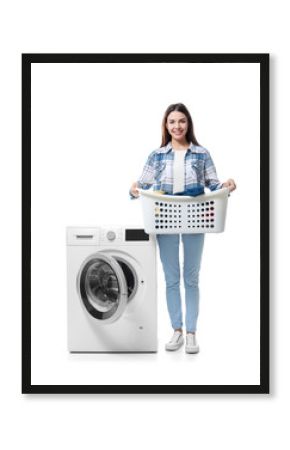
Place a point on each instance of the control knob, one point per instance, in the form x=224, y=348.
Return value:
x=111, y=235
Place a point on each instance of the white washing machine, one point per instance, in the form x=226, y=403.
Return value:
x=112, y=290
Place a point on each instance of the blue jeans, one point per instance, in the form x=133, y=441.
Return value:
x=169, y=254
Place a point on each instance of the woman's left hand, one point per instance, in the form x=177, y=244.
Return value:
x=230, y=184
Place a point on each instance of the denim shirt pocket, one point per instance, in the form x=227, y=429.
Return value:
x=197, y=167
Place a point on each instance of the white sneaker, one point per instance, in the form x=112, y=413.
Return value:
x=191, y=344
x=175, y=342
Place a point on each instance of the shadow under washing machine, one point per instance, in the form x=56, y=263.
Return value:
x=112, y=290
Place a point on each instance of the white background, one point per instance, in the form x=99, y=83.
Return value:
x=88, y=123
x=222, y=421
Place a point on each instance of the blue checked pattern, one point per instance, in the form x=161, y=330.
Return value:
x=200, y=171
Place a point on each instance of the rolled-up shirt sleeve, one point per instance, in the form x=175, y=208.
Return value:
x=146, y=180
x=210, y=175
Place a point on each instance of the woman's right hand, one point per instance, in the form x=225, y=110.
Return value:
x=134, y=190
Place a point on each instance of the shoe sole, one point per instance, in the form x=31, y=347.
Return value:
x=192, y=350
x=172, y=349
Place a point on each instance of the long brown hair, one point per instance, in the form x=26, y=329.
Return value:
x=190, y=132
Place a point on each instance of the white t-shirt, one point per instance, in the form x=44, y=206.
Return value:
x=178, y=171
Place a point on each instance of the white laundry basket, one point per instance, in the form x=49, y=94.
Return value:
x=171, y=214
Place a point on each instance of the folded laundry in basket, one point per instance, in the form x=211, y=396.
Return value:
x=191, y=192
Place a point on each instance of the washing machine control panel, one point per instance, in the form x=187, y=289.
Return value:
x=111, y=236
x=121, y=236
x=81, y=236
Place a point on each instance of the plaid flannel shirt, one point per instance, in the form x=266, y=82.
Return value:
x=199, y=169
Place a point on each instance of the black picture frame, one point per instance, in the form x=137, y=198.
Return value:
x=123, y=58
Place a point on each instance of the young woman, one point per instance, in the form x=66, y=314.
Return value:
x=180, y=167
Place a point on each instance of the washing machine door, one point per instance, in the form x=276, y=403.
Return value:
x=103, y=288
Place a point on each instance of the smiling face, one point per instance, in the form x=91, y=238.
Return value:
x=177, y=126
